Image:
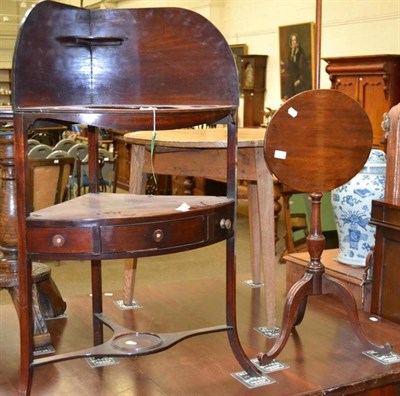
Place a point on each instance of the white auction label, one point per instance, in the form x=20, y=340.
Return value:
x=292, y=112
x=279, y=154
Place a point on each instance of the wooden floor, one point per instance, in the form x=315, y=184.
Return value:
x=201, y=365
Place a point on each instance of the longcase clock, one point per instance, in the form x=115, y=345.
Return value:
x=252, y=85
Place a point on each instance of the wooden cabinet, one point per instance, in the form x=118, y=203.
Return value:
x=385, y=285
x=252, y=85
x=5, y=87
x=373, y=80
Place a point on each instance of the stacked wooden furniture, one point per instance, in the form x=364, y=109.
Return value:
x=115, y=69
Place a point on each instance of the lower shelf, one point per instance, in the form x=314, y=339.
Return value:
x=125, y=343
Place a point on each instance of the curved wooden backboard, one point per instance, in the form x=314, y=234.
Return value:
x=318, y=140
x=143, y=56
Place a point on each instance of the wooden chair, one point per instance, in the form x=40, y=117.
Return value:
x=32, y=143
x=64, y=144
x=78, y=150
x=152, y=77
x=47, y=132
x=58, y=154
x=293, y=222
x=107, y=173
x=40, y=151
x=48, y=178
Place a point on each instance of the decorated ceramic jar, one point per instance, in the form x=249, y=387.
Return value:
x=351, y=205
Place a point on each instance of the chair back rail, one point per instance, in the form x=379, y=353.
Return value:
x=64, y=144
x=40, y=151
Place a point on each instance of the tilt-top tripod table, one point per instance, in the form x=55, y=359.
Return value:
x=316, y=141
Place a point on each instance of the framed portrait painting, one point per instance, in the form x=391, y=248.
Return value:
x=296, y=51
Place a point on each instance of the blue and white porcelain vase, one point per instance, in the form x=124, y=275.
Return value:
x=351, y=205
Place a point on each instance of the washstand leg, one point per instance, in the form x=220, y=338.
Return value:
x=97, y=301
x=231, y=321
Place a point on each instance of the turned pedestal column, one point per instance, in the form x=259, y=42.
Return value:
x=46, y=299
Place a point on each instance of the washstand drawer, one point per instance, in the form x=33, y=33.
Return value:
x=169, y=234
x=60, y=240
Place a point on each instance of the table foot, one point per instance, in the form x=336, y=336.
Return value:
x=252, y=382
x=252, y=284
x=124, y=307
x=269, y=332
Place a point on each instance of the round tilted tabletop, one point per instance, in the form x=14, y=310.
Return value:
x=197, y=138
x=318, y=140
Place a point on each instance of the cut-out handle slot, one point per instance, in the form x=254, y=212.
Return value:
x=91, y=41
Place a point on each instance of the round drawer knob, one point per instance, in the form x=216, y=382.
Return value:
x=158, y=235
x=225, y=223
x=58, y=240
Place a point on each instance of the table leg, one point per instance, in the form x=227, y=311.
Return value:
x=137, y=185
x=254, y=227
x=129, y=281
x=265, y=194
x=137, y=180
x=288, y=223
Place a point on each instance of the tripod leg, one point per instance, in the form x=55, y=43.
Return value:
x=332, y=286
x=295, y=302
x=231, y=321
x=301, y=311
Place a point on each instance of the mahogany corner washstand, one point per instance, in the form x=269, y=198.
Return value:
x=136, y=69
